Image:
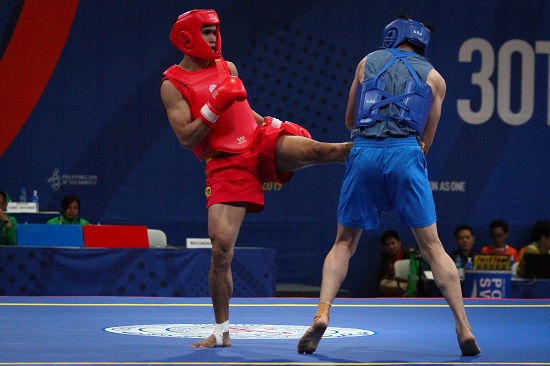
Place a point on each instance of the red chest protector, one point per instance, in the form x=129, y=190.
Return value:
x=234, y=130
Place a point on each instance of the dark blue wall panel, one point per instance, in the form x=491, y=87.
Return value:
x=99, y=129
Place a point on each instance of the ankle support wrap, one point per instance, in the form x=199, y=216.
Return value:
x=219, y=330
x=322, y=309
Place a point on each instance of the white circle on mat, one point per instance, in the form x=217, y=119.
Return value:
x=237, y=331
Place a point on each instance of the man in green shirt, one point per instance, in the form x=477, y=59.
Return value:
x=540, y=245
x=70, y=208
x=8, y=223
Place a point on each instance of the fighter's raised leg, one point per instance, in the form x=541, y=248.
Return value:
x=296, y=152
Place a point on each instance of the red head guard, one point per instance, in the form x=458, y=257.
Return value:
x=187, y=37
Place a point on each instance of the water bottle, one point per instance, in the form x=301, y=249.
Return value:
x=35, y=198
x=458, y=262
x=469, y=264
x=23, y=195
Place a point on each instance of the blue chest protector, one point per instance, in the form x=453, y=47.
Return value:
x=413, y=105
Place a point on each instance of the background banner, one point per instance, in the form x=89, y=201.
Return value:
x=81, y=114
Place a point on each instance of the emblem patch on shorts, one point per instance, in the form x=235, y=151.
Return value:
x=237, y=331
x=208, y=191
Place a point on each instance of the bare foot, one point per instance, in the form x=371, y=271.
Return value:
x=210, y=342
x=467, y=341
x=311, y=338
x=469, y=347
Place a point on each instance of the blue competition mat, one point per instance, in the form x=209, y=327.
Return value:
x=265, y=331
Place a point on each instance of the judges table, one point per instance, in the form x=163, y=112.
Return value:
x=178, y=272
x=495, y=284
x=531, y=289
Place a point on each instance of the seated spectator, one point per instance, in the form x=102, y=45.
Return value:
x=389, y=285
x=70, y=208
x=465, y=240
x=499, y=235
x=8, y=223
x=534, y=236
x=540, y=244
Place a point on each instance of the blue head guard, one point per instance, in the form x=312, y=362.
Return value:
x=406, y=30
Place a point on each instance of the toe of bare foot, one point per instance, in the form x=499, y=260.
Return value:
x=470, y=348
x=305, y=344
x=311, y=338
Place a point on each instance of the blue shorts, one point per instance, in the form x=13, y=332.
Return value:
x=381, y=175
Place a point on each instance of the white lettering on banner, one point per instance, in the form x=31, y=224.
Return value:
x=56, y=180
x=491, y=288
x=448, y=186
x=503, y=97
x=527, y=87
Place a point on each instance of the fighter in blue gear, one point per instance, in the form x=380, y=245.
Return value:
x=393, y=110
x=405, y=100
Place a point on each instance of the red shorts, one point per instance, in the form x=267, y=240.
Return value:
x=240, y=177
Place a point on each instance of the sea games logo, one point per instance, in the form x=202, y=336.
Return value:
x=237, y=331
x=56, y=180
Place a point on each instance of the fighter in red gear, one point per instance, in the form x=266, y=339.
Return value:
x=206, y=105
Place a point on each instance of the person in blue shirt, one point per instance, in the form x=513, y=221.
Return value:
x=393, y=111
x=70, y=209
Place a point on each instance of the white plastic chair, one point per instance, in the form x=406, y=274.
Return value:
x=157, y=238
x=402, y=268
x=515, y=269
